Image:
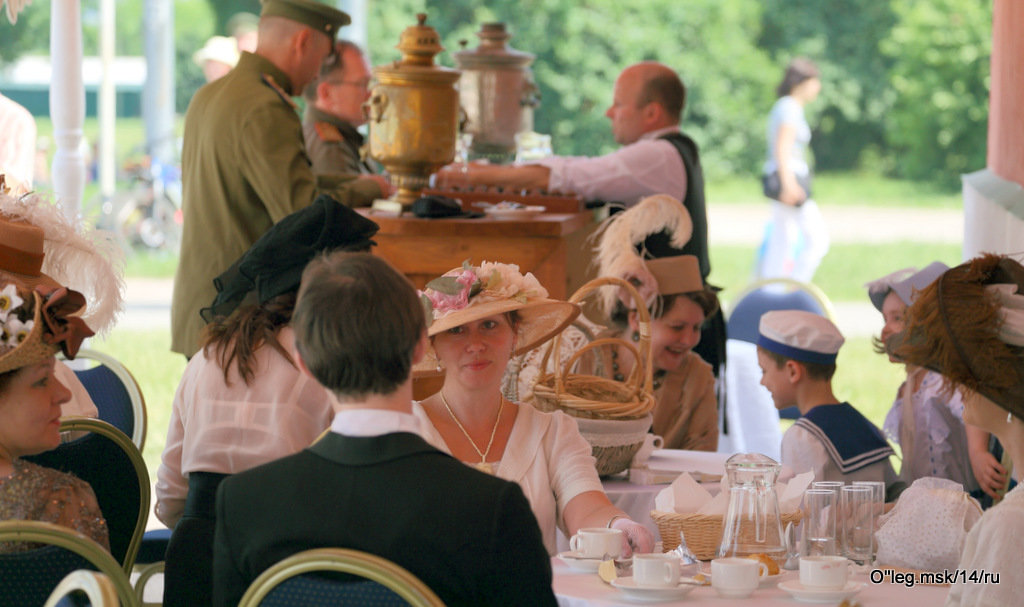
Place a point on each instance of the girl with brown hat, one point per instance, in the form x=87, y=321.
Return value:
x=482, y=317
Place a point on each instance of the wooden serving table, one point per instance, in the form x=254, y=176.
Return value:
x=551, y=245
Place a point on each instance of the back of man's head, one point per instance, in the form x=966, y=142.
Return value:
x=357, y=323
x=663, y=86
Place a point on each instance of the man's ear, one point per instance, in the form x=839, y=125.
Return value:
x=653, y=112
x=420, y=351
x=301, y=363
x=301, y=40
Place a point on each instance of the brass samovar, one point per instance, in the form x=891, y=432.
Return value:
x=497, y=92
x=413, y=112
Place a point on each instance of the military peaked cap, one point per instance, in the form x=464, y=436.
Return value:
x=317, y=15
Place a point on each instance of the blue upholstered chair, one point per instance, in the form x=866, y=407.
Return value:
x=30, y=577
x=371, y=581
x=112, y=465
x=115, y=392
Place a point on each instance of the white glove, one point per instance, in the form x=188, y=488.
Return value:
x=636, y=537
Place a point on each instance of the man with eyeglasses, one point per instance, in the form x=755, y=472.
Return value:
x=334, y=109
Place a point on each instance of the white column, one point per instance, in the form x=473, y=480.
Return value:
x=67, y=103
x=107, y=102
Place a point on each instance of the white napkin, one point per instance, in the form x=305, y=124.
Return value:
x=683, y=495
x=792, y=493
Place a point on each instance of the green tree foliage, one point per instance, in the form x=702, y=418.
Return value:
x=843, y=38
x=581, y=48
x=941, y=54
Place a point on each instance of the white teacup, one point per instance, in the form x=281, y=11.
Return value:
x=735, y=577
x=656, y=570
x=825, y=572
x=651, y=442
x=597, y=543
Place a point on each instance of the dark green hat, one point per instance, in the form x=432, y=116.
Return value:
x=316, y=15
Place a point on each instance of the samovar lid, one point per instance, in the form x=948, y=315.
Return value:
x=419, y=44
x=492, y=50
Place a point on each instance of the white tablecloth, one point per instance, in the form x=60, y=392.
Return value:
x=574, y=589
x=638, y=500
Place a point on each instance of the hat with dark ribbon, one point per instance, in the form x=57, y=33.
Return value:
x=273, y=265
x=800, y=335
x=36, y=323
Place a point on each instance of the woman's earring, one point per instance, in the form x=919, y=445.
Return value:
x=439, y=367
x=1009, y=417
x=636, y=335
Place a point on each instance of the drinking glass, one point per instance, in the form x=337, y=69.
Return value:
x=878, y=502
x=819, y=523
x=833, y=485
x=857, y=506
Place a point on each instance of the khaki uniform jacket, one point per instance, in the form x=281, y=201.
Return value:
x=244, y=168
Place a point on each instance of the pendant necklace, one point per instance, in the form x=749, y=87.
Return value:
x=483, y=466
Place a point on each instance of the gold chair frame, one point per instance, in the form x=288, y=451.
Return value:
x=362, y=564
x=38, y=532
x=130, y=384
x=794, y=285
x=97, y=587
x=86, y=424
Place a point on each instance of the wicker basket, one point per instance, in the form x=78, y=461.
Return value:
x=703, y=532
x=614, y=442
x=593, y=396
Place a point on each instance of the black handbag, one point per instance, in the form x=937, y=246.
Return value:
x=772, y=186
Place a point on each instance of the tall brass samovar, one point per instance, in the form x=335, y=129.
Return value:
x=497, y=92
x=414, y=112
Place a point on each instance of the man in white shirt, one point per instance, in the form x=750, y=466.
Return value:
x=372, y=483
x=655, y=157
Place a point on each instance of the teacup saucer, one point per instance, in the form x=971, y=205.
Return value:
x=770, y=580
x=820, y=595
x=650, y=593
x=579, y=563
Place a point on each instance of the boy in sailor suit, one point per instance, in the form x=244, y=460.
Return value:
x=796, y=351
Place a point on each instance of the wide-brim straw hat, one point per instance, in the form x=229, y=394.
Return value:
x=497, y=288
x=958, y=325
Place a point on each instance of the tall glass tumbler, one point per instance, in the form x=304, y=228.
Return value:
x=858, y=522
x=878, y=500
x=819, y=523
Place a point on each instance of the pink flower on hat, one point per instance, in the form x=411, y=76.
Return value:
x=450, y=295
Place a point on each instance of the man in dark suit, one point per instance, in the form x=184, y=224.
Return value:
x=373, y=483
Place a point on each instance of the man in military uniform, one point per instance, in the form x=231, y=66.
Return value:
x=244, y=165
x=334, y=109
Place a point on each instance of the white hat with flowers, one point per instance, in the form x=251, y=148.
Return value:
x=469, y=293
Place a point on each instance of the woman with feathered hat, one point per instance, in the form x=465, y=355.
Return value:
x=968, y=325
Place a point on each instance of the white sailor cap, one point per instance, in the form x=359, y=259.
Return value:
x=802, y=336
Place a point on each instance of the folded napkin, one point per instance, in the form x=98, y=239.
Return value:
x=686, y=495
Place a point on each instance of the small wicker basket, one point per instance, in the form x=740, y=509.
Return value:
x=592, y=397
x=703, y=532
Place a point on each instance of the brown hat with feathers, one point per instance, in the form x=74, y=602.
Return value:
x=967, y=326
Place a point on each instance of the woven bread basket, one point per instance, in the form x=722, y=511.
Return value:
x=703, y=532
x=613, y=415
x=592, y=396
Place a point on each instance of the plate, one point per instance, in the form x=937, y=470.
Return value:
x=770, y=580
x=820, y=595
x=579, y=563
x=649, y=594
x=518, y=214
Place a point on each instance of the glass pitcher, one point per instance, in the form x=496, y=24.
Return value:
x=753, y=523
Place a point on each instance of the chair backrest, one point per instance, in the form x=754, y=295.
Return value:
x=112, y=465
x=774, y=294
x=115, y=392
x=82, y=587
x=385, y=583
x=29, y=578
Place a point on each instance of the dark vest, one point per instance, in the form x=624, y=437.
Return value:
x=693, y=201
